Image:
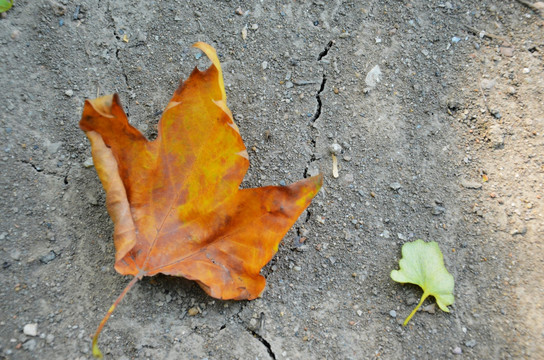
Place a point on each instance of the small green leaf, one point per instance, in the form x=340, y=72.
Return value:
x=5, y=5
x=422, y=264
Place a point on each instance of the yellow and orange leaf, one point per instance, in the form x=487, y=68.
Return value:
x=175, y=202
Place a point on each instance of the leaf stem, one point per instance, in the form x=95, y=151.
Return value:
x=423, y=297
x=96, y=351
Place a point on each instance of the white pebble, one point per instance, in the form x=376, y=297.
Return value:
x=88, y=163
x=69, y=93
x=244, y=32
x=335, y=149
x=457, y=350
x=373, y=77
x=31, y=329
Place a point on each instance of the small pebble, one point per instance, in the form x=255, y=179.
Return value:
x=253, y=324
x=335, y=149
x=507, y=51
x=47, y=258
x=496, y=113
x=395, y=186
x=411, y=301
x=69, y=93
x=15, y=254
x=50, y=235
x=496, y=136
x=50, y=338
x=373, y=77
x=75, y=15
x=393, y=313
x=431, y=309
x=471, y=343
x=264, y=65
x=30, y=345
x=521, y=231
x=244, y=32
x=192, y=311
x=31, y=329
x=457, y=350
x=455, y=104
x=88, y=163
x=15, y=34
x=526, y=70
x=467, y=184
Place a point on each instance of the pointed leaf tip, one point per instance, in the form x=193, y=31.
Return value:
x=212, y=55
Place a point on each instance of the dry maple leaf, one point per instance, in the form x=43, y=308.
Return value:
x=175, y=202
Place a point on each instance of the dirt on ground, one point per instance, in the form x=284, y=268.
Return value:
x=435, y=107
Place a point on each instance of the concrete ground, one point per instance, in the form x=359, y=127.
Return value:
x=445, y=144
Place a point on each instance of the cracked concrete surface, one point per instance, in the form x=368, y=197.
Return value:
x=296, y=85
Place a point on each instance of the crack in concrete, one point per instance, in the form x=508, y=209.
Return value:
x=255, y=334
x=43, y=171
x=263, y=341
x=326, y=50
x=117, y=51
x=317, y=113
x=313, y=119
x=36, y=167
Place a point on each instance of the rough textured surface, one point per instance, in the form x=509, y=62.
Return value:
x=415, y=151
